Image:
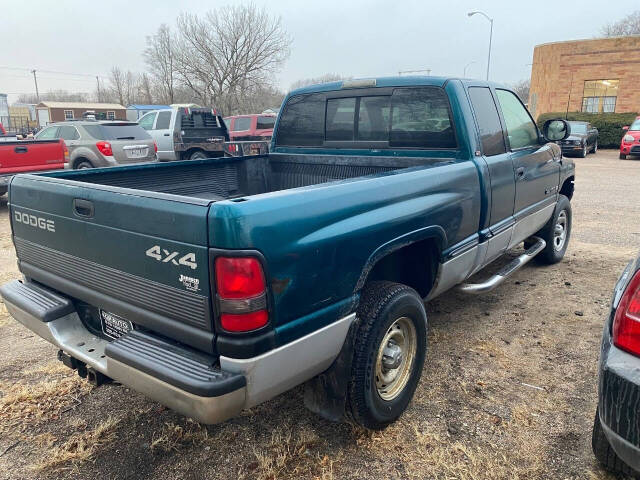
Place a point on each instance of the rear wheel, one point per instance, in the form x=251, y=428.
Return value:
x=595, y=147
x=623, y=156
x=198, y=155
x=605, y=454
x=83, y=164
x=389, y=353
x=556, y=233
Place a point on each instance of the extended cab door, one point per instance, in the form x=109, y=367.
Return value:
x=537, y=173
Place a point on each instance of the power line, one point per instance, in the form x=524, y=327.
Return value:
x=5, y=67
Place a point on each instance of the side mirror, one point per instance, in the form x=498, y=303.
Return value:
x=555, y=130
x=625, y=128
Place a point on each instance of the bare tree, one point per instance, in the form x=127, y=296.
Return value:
x=228, y=52
x=160, y=58
x=55, y=96
x=326, y=78
x=122, y=85
x=630, y=25
x=144, y=89
x=521, y=89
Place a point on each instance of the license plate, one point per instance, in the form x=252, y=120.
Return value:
x=137, y=153
x=113, y=325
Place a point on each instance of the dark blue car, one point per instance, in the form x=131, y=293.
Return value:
x=616, y=431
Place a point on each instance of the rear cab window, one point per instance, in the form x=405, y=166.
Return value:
x=412, y=118
x=117, y=132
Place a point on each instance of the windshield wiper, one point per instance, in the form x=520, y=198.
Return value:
x=125, y=138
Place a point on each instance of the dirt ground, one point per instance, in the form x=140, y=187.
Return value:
x=508, y=390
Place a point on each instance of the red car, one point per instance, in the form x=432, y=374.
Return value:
x=250, y=127
x=630, y=144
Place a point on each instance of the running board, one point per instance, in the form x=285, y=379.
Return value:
x=506, y=271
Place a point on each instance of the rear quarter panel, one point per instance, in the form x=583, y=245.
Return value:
x=318, y=241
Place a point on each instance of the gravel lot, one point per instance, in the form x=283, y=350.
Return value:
x=508, y=391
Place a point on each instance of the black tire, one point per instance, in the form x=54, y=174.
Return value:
x=584, y=151
x=551, y=254
x=605, y=454
x=595, y=147
x=83, y=164
x=623, y=156
x=198, y=155
x=382, y=306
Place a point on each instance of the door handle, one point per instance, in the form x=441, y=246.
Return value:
x=83, y=208
x=166, y=134
x=20, y=149
x=520, y=173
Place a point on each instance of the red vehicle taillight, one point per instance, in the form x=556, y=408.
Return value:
x=626, y=323
x=241, y=289
x=155, y=147
x=233, y=148
x=65, y=151
x=105, y=148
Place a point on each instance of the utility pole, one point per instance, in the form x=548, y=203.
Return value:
x=98, y=83
x=35, y=80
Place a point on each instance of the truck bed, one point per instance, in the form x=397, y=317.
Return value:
x=220, y=179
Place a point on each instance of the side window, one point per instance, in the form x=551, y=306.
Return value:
x=241, y=124
x=146, y=122
x=521, y=130
x=68, y=133
x=48, y=133
x=373, y=119
x=227, y=122
x=164, y=119
x=265, y=123
x=420, y=119
x=488, y=121
x=340, y=119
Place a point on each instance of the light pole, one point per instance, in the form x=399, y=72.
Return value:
x=470, y=14
x=464, y=71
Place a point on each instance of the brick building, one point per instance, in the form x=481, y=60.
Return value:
x=49, y=112
x=598, y=75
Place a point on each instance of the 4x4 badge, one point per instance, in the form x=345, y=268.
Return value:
x=165, y=256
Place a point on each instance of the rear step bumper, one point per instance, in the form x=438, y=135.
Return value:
x=181, y=379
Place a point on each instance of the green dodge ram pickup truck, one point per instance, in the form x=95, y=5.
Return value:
x=214, y=285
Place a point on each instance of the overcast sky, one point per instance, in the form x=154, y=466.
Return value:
x=353, y=38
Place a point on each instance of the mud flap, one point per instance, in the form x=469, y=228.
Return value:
x=326, y=394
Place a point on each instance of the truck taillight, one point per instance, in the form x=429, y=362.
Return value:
x=626, y=323
x=105, y=148
x=155, y=147
x=241, y=290
x=65, y=152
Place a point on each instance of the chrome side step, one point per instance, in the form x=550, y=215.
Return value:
x=506, y=271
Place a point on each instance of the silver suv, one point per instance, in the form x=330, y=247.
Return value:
x=102, y=143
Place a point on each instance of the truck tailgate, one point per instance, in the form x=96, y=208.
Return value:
x=144, y=259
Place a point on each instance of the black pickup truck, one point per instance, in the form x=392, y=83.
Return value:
x=214, y=285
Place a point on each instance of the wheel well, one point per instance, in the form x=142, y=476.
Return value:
x=568, y=187
x=80, y=160
x=414, y=265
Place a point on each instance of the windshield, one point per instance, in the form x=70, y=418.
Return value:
x=578, y=127
x=635, y=126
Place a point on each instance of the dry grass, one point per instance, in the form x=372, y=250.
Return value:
x=22, y=405
x=175, y=436
x=51, y=368
x=79, y=448
x=288, y=455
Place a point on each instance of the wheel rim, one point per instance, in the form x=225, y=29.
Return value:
x=595, y=147
x=395, y=359
x=584, y=151
x=83, y=166
x=560, y=231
